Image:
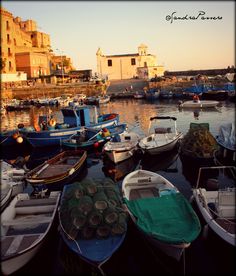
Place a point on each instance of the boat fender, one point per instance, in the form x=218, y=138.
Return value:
x=52, y=122
x=71, y=171
x=19, y=139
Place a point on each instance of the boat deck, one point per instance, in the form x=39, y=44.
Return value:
x=143, y=193
x=13, y=244
x=228, y=225
x=53, y=170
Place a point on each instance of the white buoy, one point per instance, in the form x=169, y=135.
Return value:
x=19, y=139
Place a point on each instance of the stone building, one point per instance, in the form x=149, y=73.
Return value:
x=25, y=52
x=125, y=66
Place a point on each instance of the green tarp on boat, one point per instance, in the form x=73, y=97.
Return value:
x=169, y=218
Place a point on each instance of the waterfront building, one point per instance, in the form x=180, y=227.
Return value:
x=125, y=66
x=25, y=51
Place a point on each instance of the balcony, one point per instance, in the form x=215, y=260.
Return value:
x=9, y=41
x=10, y=55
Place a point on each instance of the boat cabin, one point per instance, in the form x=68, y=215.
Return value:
x=80, y=116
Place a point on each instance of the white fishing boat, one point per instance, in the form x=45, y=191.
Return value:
x=14, y=177
x=163, y=139
x=199, y=104
x=215, y=199
x=226, y=153
x=160, y=212
x=122, y=146
x=25, y=224
x=6, y=192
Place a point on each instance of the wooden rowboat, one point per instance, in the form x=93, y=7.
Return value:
x=57, y=171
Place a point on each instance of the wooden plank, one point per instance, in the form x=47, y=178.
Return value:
x=36, y=202
x=26, y=221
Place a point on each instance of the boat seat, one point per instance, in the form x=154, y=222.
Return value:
x=8, y=243
x=226, y=204
x=36, y=202
x=21, y=222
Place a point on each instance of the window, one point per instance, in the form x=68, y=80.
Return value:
x=8, y=27
x=133, y=61
x=145, y=64
x=10, y=65
x=109, y=62
x=8, y=38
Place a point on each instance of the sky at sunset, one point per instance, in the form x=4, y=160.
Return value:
x=78, y=28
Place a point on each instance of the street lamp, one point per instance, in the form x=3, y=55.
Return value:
x=62, y=70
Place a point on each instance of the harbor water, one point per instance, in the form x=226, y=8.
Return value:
x=210, y=256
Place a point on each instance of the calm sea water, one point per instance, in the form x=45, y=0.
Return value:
x=135, y=256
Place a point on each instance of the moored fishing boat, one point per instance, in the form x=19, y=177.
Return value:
x=121, y=146
x=90, y=138
x=58, y=171
x=215, y=199
x=163, y=139
x=198, y=145
x=6, y=193
x=152, y=94
x=47, y=132
x=92, y=223
x=199, y=104
x=25, y=224
x=139, y=94
x=160, y=212
x=15, y=177
x=226, y=153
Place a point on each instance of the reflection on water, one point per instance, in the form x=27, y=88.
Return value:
x=136, y=114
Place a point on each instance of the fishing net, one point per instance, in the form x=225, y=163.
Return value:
x=92, y=209
x=120, y=226
x=110, y=215
x=85, y=204
x=100, y=201
x=199, y=142
x=95, y=218
x=90, y=186
x=88, y=232
x=103, y=231
x=112, y=196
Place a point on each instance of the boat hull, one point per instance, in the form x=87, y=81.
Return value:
x=163, y=148
x=11, y=265
x=119, y=156
x=25, y=241
x=55, y=137
x=229, y=238
x=201, y=104
x=57, y=181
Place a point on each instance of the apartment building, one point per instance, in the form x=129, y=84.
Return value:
x=25, y=52
x=126, y=66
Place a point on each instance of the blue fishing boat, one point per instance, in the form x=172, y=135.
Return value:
x=90, y=138
x=87, y=226
x=11, y=138
x=47, y=132
x=153, y=94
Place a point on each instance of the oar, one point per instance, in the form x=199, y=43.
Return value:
x=95, y=135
